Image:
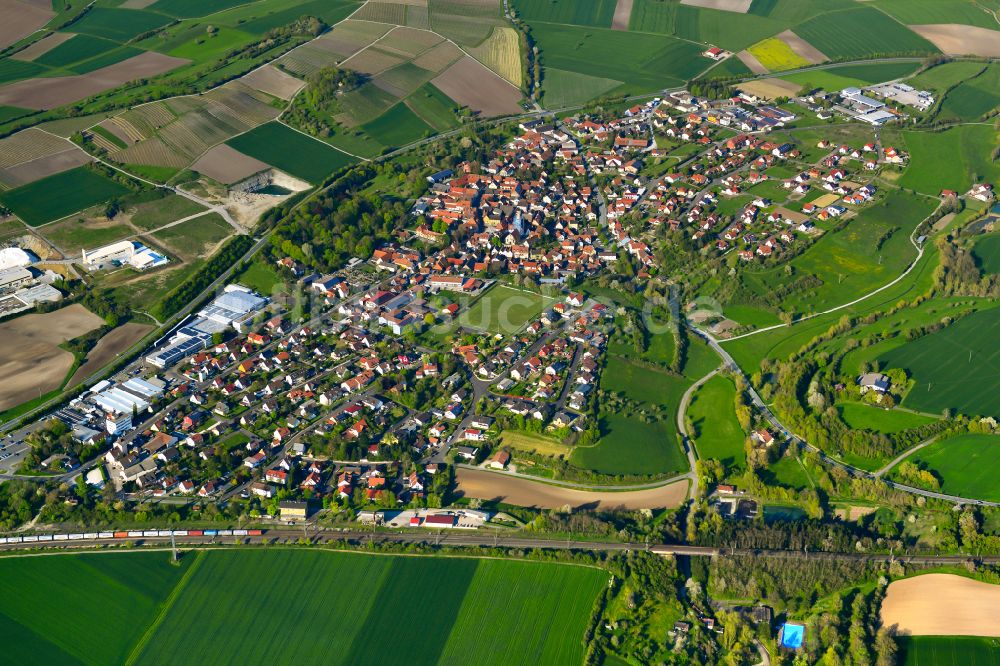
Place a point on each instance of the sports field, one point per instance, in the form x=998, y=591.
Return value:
x=957, y=368
x=947, y=650
x=60, y=195
x=950, y=159
x=718, y=433
x=310, y=606
x=291, y=151
x=965, y=464
x=505, y=309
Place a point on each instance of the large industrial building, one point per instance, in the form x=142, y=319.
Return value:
x=133, y=253
x=235, y=307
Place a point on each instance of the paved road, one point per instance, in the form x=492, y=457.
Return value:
x=788, y=434
x=688, y=440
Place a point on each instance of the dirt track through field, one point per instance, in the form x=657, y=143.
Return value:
x=523, y=492
x=48, y=93
x=623, y=12
x=472, y=84
x=955, y=39
x=942, y=605
x=31, y=363
x=113, y=343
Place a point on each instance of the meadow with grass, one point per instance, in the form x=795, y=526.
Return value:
x=62, y=194
x=956, y=368
x=291, y=151
x=965, y=465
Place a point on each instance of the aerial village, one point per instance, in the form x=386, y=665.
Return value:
x=417, y=358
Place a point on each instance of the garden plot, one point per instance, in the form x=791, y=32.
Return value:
x=471, y=84
x=36, y=169
x=955, y=39
x=372, y=60
x=736, y=6
x=802, y=48
x=196, y=124
x=273, y=81
x=438, y=59
x=750, y=60
x=502, y=53
x=28, y=145
x=227, y=165
x=42, y=46
x=49, y=93
x=18, y=19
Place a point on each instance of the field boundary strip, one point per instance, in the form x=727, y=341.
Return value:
x=167, y=605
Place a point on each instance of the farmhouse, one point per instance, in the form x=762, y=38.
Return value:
x=873, y=381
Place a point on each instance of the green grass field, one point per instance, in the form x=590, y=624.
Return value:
x=965, y=465
x=291, y=151
x=838, y=78
x=957, y=368
x=12, y=70
x=728, y=30
x=861, y=32
x=70, y=236
x=973, y=98
x=597, y=13
x=563, y=88
x=150, y=612
x=154, y=214
x=948, y=651
x=866, y=417
x=917, y=12
x=191, y=8
x=397, y=127
x=475, y=608
x=504, y=309
x=119, y=25
x=629, y=445
x=718, y=433
x=260, y=277
x=947, y=74
x=75, y=49
x=195, y=237
x=787, y=471
x=987, y=252
x=950, y=159
x=60, y=195
x=47, y=604
x=643, y=62
x=433, y=107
